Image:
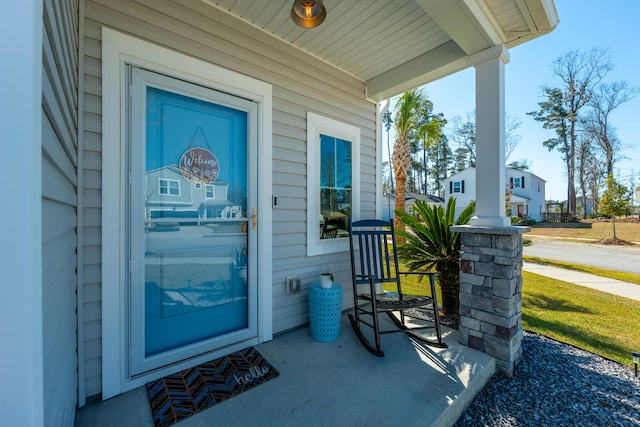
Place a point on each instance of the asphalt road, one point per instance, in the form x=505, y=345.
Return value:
x=622, y=258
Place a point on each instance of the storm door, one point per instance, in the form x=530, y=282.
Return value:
x=191, y=209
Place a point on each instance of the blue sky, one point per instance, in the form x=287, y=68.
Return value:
x=584, y=24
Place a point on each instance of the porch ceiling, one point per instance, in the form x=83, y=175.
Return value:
x=396, y=45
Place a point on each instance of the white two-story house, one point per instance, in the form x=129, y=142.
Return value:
x=525, y=192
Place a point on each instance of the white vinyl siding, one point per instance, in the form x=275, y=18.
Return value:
x=206, y=33
x=59, y=205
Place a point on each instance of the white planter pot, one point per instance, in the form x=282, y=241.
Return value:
x=325, y=281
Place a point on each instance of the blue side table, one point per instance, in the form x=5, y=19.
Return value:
x=325, y=310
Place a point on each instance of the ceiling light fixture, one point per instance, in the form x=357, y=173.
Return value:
x=308, y=13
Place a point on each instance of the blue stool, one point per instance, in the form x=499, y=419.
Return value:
x=325, y=310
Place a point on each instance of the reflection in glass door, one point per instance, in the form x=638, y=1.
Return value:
x=192, y=284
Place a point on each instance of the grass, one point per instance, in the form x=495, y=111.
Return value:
x=602, y=272
x=595, y=321
x=629, y=231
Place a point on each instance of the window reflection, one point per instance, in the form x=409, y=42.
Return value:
x=335, y=186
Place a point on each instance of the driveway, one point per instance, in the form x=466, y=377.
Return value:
x=622, y=258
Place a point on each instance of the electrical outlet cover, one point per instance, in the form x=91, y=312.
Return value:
x=295, y=286
x=289, y=284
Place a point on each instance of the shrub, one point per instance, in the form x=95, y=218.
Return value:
x=429, y=243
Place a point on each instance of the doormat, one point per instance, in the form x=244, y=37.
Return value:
x=185, y=393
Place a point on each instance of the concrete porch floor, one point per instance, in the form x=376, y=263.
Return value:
x=337, y=383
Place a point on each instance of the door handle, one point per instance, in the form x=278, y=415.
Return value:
x=254, y=219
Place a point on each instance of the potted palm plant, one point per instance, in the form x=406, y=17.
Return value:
x=431, y=245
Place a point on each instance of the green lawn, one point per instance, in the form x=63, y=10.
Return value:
x=595, y=321
x=629, y=231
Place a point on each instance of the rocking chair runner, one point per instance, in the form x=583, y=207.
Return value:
x=377, y=264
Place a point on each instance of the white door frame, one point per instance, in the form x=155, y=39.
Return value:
x=119, y=50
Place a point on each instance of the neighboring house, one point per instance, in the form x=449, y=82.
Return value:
x=526, y=192
x=388, y=202
x=100, y=93
x=170, y=195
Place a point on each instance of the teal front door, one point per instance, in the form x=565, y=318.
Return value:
x=191, y=208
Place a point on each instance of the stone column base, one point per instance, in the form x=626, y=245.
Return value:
x=491, y=292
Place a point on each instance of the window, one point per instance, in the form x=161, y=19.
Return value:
x=456, y=187
x=333, y=183
x=516, y=182
x=208, y=192
x=169, y=187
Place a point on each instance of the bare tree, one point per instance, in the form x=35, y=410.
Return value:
x=596, y=177
x=464, y=135
x=580, y=72
x=605, y=99
x=586, y=164
x=511, y=137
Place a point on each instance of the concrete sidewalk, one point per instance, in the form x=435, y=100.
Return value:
x=612, y=286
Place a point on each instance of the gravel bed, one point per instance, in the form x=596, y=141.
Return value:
x=555, y=385
x=558, y=385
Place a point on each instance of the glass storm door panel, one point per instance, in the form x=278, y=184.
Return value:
x=192, y=282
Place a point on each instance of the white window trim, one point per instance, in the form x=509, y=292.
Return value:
x=213, y=191
x=317, y=125
x=118, y=50
x=168, y=181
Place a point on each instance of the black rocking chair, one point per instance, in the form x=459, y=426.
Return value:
x=377, y=264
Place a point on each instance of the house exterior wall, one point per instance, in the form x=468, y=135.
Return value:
x=533, y=190
x=300, y=84
x=466, y=194
x=59, y=206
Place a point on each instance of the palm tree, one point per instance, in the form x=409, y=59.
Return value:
x=405, y=121
x=430, y=244
x=428, y=133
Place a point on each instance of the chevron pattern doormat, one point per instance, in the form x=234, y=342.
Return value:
x=178, y=396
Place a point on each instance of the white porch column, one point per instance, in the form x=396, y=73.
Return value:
x=22, y=392
x=490, y=112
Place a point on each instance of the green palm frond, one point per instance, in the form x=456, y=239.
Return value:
x=429, y=242
x=405, y=114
